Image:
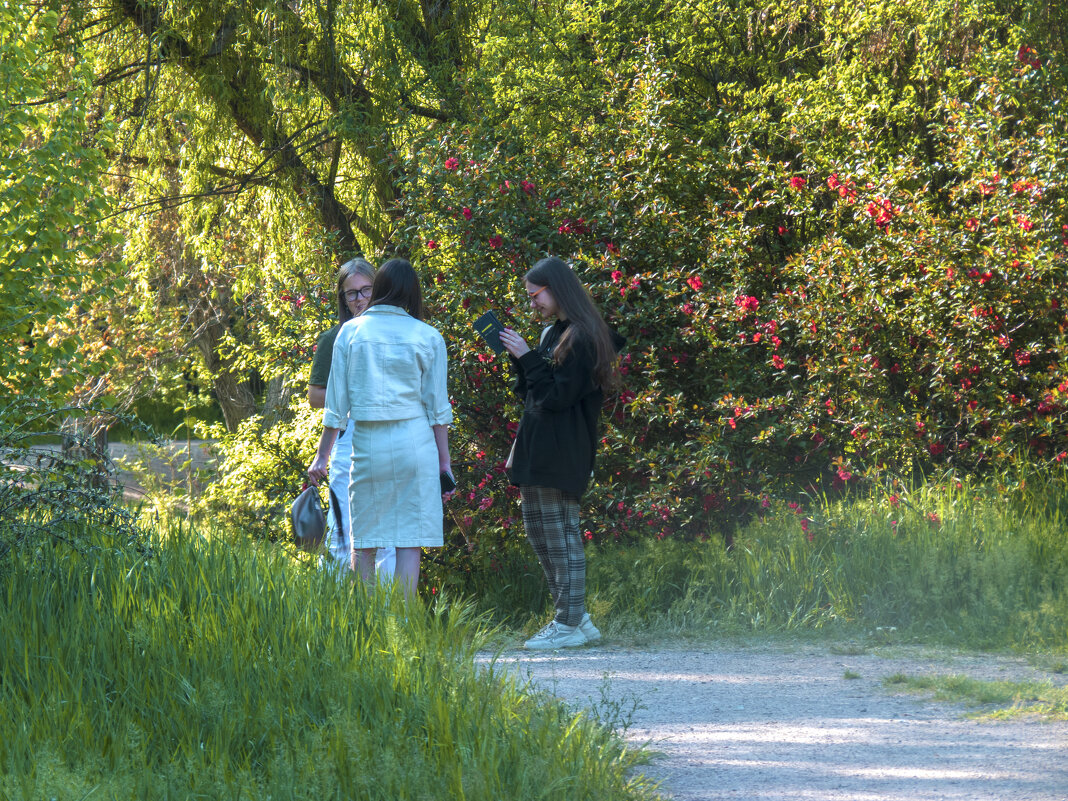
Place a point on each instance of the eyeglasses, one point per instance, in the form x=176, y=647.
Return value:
x=537, y=292
x=355, y=294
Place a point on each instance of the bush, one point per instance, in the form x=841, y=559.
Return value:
x=824, y=287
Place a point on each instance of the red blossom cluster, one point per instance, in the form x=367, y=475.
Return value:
x=882, y=211
x=747, y=303
x=797, y=182
x=451, y=163
x=578, y=227
x=296, y=301
x=1028, y=56
x=846, y=189
x=695, y=283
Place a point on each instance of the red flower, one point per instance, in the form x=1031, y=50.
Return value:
x=747, y=303
x=783, y=231
x=1024, y=223
x=1023, y=357
x=695, y=283
x=451, y=163
x=495, y=242
x=528, y=187
x=797, y=182
x=936, y=448
x=1028, y=55
x=617, y=275
x=687, y=308
x=467, y=213
x=552, y=204
x=431, y=244
x=777, y=361
x=972, y=224
x=833, y=182
x=894, y=500
x=882, y=211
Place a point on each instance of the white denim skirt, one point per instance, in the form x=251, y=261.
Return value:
x=395, y=490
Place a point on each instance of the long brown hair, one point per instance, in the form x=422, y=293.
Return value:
x=578, y=308
x=396, y=284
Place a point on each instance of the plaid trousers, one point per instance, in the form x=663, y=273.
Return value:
x=551, y=519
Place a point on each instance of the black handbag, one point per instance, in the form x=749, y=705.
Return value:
x=308, y=518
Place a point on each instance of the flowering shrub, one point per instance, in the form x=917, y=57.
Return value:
x=835, y=244
x=844, y=309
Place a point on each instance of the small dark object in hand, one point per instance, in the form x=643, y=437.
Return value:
x=448, y=483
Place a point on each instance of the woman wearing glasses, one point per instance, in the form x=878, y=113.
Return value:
x=389, y=374
x=562, y=383
x=354, y=282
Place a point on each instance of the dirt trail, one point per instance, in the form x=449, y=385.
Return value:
x=774, y=723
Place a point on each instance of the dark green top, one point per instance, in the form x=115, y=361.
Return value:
x=324, y=354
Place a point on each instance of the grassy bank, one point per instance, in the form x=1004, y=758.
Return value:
x=212, y=670
x=983, y=567
x=978, y=566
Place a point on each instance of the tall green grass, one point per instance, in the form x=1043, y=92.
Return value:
x=207, y=669
x=982, y=566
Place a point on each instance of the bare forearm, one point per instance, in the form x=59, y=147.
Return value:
x=321, y=463
x=441, y=439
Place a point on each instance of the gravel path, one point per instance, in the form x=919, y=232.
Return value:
x=772, y=723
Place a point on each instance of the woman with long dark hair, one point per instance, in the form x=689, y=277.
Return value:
x=389, y=375
x=562, y=382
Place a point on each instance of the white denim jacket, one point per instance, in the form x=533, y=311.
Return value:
x=387, y=366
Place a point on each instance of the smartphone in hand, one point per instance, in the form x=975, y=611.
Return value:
x=448, y=483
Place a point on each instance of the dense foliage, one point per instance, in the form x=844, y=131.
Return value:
x=834, y=237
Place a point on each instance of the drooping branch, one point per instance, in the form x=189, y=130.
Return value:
x=247, y=103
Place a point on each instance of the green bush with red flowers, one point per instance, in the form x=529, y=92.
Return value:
x=845, y=279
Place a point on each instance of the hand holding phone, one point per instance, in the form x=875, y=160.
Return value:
x=448, y=483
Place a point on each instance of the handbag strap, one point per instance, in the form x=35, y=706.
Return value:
x=338, y=519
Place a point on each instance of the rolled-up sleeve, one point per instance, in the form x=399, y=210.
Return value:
x=336, y=409
x=435, y=384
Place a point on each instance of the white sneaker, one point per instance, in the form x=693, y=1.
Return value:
x=589, y=631
x=556, y=635
x=543, y=632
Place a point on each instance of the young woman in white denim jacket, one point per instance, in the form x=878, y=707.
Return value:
x=389, y=375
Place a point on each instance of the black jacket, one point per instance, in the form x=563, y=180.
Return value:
x=557, y=438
